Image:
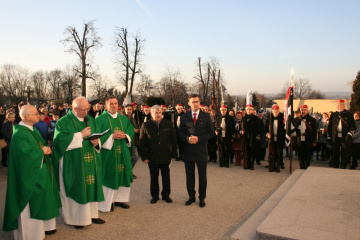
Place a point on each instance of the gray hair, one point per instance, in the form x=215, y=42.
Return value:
x=76, y=101
x=155, y=107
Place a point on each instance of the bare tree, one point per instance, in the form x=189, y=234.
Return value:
x=302, y=88
x=141, y=88
x=55, y=80
x=316, y=94
x=14, y=81
x=101, y=87
x=81, y=46
x=128, y=59
x=70, y=83
x=40, y=85
x=203, y=78
x=171, y=87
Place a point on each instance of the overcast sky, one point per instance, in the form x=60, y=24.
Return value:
x=257, y=42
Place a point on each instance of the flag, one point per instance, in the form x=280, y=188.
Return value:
x=288, y=115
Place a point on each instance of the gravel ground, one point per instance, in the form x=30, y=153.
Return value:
x=231, y=194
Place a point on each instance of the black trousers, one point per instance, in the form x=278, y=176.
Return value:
x=212, y=149
x=190, y=178
x=276, y=154
x=154, y=180
x=305, y=152
x=355, y=152
x=340, y=147
x=225, y=147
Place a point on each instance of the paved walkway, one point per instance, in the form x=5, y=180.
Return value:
x=231, y=194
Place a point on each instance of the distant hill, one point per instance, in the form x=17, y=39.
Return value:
x=328, y=95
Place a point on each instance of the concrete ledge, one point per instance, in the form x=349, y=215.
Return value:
x=248, y=229
x=323, y=204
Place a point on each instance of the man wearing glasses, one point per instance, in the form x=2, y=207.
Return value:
x=195, y=130
x=77, y=164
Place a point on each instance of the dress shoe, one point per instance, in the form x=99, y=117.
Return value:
x=202, y=203
x=78, y=227
x=282, y=167
x=4, y=164
x=190, y=201
x=134, y=177
x=112, y=207
x=167, y=199
x=50, y=232
x=258, y=163
x=97, y=221
x=122, y=205
x=153, y=200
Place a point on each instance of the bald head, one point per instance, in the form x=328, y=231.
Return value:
x=79, y=101
x=29, y=115
x=80, y=107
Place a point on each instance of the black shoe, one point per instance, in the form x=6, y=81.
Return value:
x=134, y=177
x=112, y=207
x=4, y=164
x=202, y=203
x=352, y=167
x=50, y=232
x=153, y=200
x=282, y=167
x=97, y=221
x=221, y=166
x=258, y=163
x=167, y=199
x=78, y=227
x=210, y=160
x=190, y=201
x=277, y=170
x=122, y=205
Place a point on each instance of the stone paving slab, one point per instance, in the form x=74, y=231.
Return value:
x=323, y=204
x=247, y=231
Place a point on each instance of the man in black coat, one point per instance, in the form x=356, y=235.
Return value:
x=275, y=129
x=340, y=130
x=306, y=131
x=195, y=131
x=225, y=133
x=253, y=128
x=158, y=149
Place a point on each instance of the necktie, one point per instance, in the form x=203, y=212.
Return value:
x=194, y=118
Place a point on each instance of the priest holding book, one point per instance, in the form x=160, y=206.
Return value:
x=117, y=174
x=77, y=164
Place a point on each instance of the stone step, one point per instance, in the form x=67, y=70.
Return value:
x=322, y=204
x=250, y=223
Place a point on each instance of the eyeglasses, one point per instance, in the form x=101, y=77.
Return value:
x=84, y=110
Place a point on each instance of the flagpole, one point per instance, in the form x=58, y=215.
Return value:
x=291, y=114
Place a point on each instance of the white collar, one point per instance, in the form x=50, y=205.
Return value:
x=25, y=125
x=80, y=119
x=197, y=112
x=113, y=115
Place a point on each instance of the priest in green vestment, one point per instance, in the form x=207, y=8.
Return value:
x=117, y=174
x=77, y=164
x=32, y=197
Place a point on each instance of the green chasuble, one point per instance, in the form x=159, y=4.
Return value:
x=81, y=166
x=28, y=180
x=116, y=162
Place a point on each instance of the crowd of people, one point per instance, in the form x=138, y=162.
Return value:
x=80, y=158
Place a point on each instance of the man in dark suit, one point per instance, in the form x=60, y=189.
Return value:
x=195, y=130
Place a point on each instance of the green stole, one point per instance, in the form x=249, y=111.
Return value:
x=117, y=168
x=28, y=181
x=81, y=166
